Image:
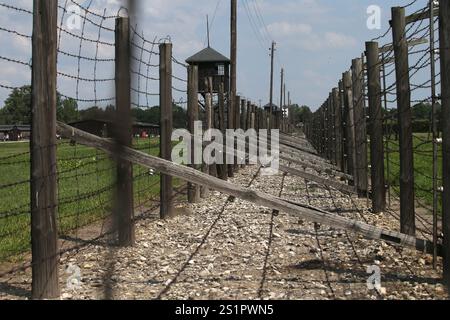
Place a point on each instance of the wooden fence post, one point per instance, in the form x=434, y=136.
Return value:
x=350, y=124
x=344, y=167
x=338, y=128
x=222, y=168
x=444, y=39
x=204, y=190
x=376, y=128
x=124, y=212
x=44, y=201
x=165, y=97
x=244, y=115
x=407, y=212
x=230, y=125
x=237, y=125
x=331, y=136
x=361, y=164
x=253, y=117
x=192, y=113
x=248, y=123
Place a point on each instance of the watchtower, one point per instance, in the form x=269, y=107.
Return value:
x=211, y=64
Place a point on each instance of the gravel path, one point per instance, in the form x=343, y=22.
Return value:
x=226, y=248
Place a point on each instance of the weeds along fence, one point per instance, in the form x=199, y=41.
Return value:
x=368, y=121
x=58, y=196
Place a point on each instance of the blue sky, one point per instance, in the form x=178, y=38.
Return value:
x=316, y=40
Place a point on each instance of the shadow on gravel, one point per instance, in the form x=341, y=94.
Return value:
x=317, y=264
x=11, y=290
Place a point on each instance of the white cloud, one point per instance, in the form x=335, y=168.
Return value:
x=305, y=37
x=284, y=29
x=338, y=40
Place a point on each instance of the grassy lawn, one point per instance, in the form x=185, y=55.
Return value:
x=423, y=168
x=85, y=190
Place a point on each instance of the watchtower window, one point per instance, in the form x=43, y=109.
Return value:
x=220, y=70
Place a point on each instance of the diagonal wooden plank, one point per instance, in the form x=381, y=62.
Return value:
x=325, y=182
x=246, y=194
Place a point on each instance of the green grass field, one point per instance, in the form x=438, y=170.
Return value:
x=423, y=168
x=85, y=187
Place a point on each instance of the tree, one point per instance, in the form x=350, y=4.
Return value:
x=17, y=109
x=301, y=114
x=422, y=111
x=67, y=110
x=153, y=116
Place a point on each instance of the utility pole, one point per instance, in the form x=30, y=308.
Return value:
x=272, y=54
x=283, y=109
x=281, y=88
x=233, y=55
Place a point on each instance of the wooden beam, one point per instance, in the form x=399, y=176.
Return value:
x=124, y=209
x=404, y=115
x=410, y=43
x=192, y=113
x=165, y=96
x=246, y=194
x=325, y=182
x=360, y=120
x=444, y=41
x=376, y=128
x=421, y=16
x=316, y=167
x=44, y=187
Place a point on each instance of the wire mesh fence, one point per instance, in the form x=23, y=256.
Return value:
x=422, y=38
x=86, y=82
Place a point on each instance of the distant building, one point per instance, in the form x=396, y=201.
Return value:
x=274, y=107
x=104, y=128
x=15, y=132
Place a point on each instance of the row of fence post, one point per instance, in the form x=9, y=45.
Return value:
x=347, y=127
x=44, y=205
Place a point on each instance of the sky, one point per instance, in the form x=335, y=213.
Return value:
x=315, y=41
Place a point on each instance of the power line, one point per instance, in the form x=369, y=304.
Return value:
x=253, y=25
x=261, y=20
x=214, y=18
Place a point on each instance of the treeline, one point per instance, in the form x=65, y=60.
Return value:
x=17, y=111
x=421, y=116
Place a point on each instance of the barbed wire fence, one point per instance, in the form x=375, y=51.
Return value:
x=86, y=177
x=419, y=181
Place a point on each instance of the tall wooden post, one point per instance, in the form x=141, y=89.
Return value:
x=248, y=115
x=230, y=125
x=233, y=81
x=233, y=56
x=165, y=97
x=272, y=55
x=350, y=124
x=338, y=128
x=343, y=127
x=124, y=210
x=206, y=168
x=44, y=200
x=222, y=168
x=407, y=213
x=331, y=136
x=361, y=164
x=237, y=124
x=192, y=113
x=376, y=128
x=444, y=39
